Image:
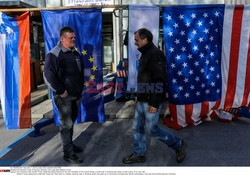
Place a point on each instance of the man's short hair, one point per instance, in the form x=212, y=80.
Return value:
x=145, y=33
x=66, y=29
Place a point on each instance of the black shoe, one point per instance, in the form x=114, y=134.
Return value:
x=77, y=149
x=134, y=159
x=74, y=159
x=181, y=152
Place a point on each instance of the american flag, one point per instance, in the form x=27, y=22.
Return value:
x=208, y=56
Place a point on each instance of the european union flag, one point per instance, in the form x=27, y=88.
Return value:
x=87, y=24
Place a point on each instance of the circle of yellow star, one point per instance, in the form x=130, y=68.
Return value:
x=92, y=77
x=91, y=59
x=87, y=84
x=94, y=68
x=84, y=52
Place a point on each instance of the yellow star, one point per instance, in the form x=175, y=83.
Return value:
x=84, y=52
x=94, y=68
x=92, y=77
x=91, y=59
x=76, y=49
x=87, y=84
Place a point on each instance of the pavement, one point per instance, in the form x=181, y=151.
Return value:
x=212, y=143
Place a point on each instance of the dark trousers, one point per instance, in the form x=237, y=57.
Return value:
x=68, y=111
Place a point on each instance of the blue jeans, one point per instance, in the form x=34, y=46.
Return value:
x=142, y=118
x=68, y=111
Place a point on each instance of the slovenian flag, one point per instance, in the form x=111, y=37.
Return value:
x=15, y=71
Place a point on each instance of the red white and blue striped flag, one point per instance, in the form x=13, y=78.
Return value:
x=208, y=57
x=15, y=71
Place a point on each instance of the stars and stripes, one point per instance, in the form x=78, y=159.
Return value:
x=122, y=73
x=208, y=56
x=193, y=54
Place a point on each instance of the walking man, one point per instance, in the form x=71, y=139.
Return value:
x=151, y=92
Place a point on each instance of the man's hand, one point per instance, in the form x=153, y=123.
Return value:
x=65, y=94
x=152, y=109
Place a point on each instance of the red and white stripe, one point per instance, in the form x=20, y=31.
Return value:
x=235, y=67
x=122, y=73
x=236, y=58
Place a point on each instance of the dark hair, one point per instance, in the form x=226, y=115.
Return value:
x=145, y=33
x=66, y=30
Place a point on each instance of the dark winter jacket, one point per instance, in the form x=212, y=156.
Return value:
x=152, y=77
x=63, y=70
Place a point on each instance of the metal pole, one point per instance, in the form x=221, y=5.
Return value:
x=120, y=32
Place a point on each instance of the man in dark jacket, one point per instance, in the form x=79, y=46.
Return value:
x=151, y=92
x=63, y=73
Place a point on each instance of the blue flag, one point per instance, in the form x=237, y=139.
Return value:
x=192, y=38
x=87, y=24
x=148, y=18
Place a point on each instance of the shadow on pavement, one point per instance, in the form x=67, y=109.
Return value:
x=22, y=151
x=212, y=143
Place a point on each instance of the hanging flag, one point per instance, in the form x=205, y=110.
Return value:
x=87, y=24
x=15, y=71
x=208, y=58
x=140, y=16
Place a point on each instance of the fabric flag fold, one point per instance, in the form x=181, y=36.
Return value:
x=208, y=54
x=15, y=71
x=87, y=24
x=140, y=16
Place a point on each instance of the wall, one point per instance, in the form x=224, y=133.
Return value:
x=184, y=2
x=54, y=3
x=35, y=3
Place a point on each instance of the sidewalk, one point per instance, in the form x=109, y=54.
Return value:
x=212, y=143
x=40, y=103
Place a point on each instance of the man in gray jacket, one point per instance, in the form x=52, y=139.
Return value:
x=63, y=73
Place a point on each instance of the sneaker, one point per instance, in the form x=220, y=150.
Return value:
x=181, y=152
x=134, y=159
x=77, y=149
x=74, y=159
